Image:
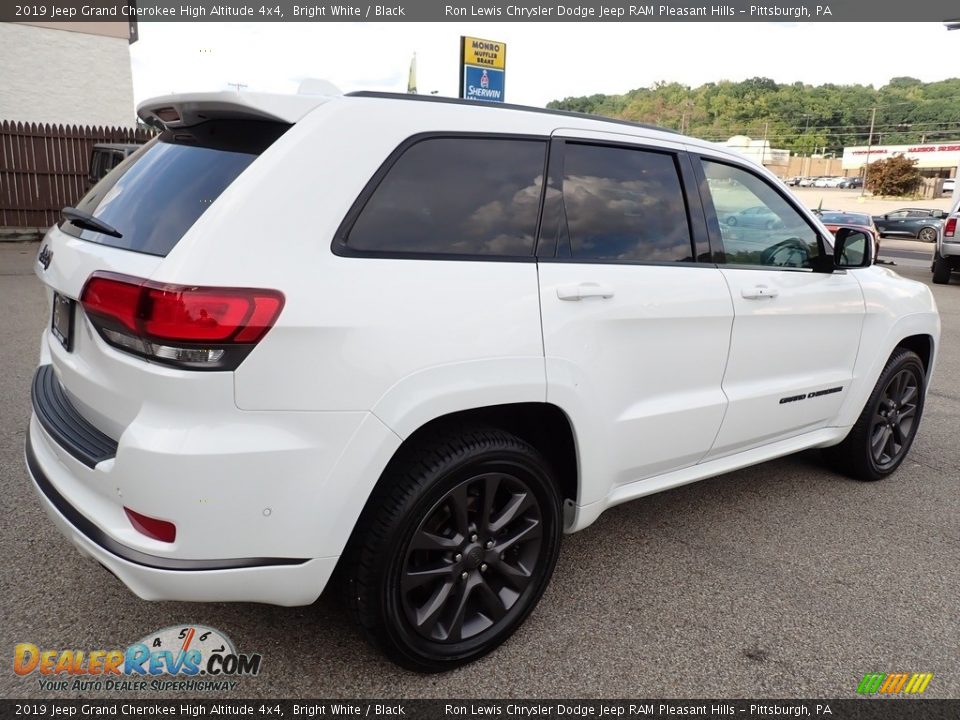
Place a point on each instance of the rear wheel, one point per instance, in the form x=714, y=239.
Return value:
x=941, y=270
x=455, y=549
x=885, y=430
x=927, y=234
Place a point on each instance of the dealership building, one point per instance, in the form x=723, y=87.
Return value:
x=933, y=159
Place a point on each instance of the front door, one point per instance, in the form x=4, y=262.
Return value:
x=796, y=331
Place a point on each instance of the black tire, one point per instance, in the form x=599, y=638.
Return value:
x=884, y=432
x=927, y=234
x=731, y=221
x=941, y=270
x=429, y=548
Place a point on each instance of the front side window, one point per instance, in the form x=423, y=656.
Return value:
x=456, y=196
x=624, y=205
x=757, y=225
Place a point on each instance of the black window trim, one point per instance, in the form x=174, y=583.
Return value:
x=548, y=249
x=713, y=221
x=339, y=244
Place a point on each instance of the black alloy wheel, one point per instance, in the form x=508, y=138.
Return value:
x=881, y=438
x=454, y=548
x=472, y=557
x=893, y=422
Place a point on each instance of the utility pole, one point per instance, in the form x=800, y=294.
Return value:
x=763, y=148
x=805, y=129
x=237, y=86
x=866, y=166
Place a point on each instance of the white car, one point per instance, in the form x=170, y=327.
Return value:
x=417, y=340
x=825, y=182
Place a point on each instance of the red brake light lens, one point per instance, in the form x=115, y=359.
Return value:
x=197, y=327
x=201, y=315
x=151, y=527
x=950, y=227
x=111, y=298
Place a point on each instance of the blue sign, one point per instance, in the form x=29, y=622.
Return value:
x=483, y=83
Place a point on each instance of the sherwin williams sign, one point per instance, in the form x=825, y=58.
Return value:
x=483, y=69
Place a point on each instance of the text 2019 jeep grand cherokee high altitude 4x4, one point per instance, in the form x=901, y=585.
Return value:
x=415, y=341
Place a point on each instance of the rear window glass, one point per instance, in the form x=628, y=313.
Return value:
x=153, y=197
x=456, y=196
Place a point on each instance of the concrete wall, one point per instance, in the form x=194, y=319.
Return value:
x=814, y=167
x=70, y=78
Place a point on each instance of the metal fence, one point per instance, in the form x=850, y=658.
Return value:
x=44, y=168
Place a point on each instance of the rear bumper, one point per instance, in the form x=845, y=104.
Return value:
x=949, y=249
x=278, y=581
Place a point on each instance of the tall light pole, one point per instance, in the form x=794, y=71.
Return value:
x=806, y=153
x=866, y=166
x=763, y=148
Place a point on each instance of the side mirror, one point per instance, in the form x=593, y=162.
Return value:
x=852, y=248
x=886, y=217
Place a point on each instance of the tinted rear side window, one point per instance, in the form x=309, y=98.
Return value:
x=456, y=196
x=624, y=205
x=153, y=197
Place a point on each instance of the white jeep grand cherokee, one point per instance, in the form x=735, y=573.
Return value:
x=416, y=340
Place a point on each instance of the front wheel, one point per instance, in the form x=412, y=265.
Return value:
x=927, y=234
x=455, y=549
x=884, y=432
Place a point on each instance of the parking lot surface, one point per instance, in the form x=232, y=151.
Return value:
x=781, y=580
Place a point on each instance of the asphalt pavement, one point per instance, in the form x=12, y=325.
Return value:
x=781, y=580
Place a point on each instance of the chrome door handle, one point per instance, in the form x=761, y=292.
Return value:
x=584, y=290
x=759, y=292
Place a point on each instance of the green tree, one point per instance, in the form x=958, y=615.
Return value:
x=799, y=117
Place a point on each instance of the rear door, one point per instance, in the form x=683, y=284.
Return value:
x=635, y=327
x=796, y=331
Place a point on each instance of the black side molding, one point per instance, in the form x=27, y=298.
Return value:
x=96, y=535
x=68, y=427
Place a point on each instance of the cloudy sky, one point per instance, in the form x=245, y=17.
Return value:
x=545, y=61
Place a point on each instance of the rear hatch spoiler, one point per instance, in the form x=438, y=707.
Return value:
x=172, y=111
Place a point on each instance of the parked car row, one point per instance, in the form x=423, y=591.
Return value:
x=825, y=181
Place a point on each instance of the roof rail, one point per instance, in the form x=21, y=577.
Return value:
x=503, y=106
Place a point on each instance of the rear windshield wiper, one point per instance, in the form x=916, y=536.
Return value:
x=88, y=222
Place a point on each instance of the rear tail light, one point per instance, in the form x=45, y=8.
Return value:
x=151, y=527
x=199, y=328
x=950, y=227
